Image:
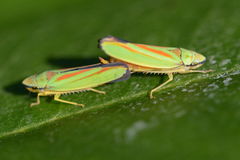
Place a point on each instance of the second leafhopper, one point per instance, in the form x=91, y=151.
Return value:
x=151, y=58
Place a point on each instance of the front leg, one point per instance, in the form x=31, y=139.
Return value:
x=103, y=61
x=196, y=71
x=38, y=100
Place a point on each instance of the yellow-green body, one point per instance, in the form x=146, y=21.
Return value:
x=151, y=59
x=70, y=80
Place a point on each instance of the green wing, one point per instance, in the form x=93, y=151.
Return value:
x=85, y=77
x=141, y=55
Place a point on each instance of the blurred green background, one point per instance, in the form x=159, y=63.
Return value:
x=197, y=116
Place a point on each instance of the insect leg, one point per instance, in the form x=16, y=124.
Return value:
x=103, y=61
x=38, y=100
x=97, y=91
x=199, y=71
x=56, y=98
x=170, y=75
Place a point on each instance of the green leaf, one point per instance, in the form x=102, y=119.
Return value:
x=196, y=116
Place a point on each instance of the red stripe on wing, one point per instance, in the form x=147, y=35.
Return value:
x=153, y=50
x=71, y=74
x=132, y=50
x=104, y=69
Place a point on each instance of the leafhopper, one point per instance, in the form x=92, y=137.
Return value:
x=151, y=58
x=71, y=80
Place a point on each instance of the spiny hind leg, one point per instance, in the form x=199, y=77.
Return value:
x=38, y=100
x=97, y=91
x=56, y=98
x=170, y=75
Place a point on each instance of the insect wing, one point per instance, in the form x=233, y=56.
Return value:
x=140, y=54
x=87, y=77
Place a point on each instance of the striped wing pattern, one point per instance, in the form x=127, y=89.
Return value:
x=140, y=54
x=86, y=77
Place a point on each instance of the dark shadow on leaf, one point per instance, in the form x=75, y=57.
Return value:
x=72, y=62
x=16, y=88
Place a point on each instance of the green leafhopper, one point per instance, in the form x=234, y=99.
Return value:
x=151, y=58
x=71, y=80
